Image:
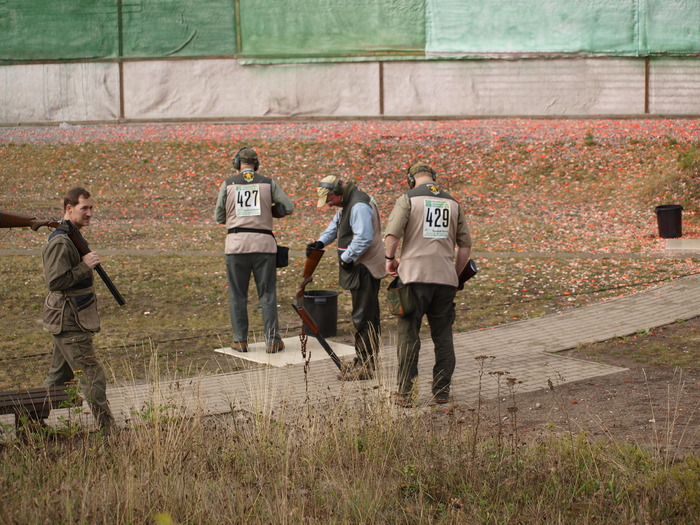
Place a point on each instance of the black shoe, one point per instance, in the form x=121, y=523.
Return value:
x=441, y=398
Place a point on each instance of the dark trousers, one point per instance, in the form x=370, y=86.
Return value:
x=239, y=267
x=365, y=315
x=435, y=301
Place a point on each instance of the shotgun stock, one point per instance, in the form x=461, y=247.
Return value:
x=469, y=271
x=309, y=268
x=17, y=220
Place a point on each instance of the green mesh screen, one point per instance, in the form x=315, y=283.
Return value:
x=36, y=30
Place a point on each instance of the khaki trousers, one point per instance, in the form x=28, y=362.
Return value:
x=73, y=351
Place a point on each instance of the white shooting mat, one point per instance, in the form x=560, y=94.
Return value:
x=679, y=244
x=291, y=355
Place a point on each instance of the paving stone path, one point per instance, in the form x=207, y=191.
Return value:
x=527, y=350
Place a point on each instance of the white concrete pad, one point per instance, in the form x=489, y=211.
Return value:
x=291, y=355
x=683, y=244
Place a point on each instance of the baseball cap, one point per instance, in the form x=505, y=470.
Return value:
x=248, y=155
x=324, y=188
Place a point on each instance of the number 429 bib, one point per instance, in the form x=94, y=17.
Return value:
x=436, y=219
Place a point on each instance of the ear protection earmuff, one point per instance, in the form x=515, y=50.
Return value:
x=336, y=188
x=237, y=160
x=417, y=168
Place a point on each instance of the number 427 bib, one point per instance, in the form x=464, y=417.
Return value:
x=248, y=200
x=436, y=219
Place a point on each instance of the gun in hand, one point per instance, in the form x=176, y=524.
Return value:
x=469, y=271
x=83, y=248
x=310, y=265
x=17, y=220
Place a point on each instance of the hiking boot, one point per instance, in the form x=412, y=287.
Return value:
x=441, y=398
x=403, y=400
x=355, y=371
x=275, y=347
x=240, y=346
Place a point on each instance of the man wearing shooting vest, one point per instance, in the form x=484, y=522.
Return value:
x=429, y=223
x=360, y=255
x=70, y=309
x=246, y=204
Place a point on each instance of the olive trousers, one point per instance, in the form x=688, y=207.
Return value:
x=74, y=354
x=437, y=303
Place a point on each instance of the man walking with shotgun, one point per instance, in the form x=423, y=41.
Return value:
x=429, y=223
x=358, y=230
x=70, y=309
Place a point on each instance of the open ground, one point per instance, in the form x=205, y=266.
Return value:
x=561, y=211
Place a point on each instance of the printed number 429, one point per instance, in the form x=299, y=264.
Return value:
x=438, y=218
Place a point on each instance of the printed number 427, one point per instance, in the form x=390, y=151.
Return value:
x=247, y=199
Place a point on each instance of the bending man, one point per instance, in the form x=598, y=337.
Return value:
x=358, y=230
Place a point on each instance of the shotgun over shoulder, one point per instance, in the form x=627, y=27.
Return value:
x=17, y=220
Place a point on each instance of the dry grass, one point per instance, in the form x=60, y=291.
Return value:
x=558, y=224
x=348, y=462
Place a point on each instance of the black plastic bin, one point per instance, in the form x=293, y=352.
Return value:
x=670, y=220
x=322, y=305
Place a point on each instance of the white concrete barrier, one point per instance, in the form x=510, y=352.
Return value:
x=221, y=89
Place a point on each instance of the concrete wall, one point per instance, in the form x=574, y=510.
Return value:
x=224, y=89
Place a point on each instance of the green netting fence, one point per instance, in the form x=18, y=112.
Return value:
x=338, y=30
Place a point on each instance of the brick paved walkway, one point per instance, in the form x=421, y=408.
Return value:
x=525, y=349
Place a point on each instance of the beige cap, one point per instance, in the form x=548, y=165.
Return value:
x=324, y=188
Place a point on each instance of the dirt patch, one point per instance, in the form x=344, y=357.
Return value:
x=654, y=404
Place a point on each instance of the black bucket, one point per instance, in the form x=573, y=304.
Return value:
x=322, y=306
x=670, y=220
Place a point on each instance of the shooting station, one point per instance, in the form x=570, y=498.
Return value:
x=318, y=311
x=291, y=355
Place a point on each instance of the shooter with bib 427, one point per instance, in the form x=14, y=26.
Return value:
x=246, y=204
x=428, y=223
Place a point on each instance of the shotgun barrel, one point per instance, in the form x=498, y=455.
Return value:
x=83, y=248
x=316, y=332
x=17, y=220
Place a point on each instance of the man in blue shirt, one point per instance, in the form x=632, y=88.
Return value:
x=357, y=228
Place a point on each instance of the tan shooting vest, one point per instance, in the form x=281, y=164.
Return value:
x=249, y=207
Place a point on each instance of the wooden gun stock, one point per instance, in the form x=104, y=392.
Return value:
x=17, y=220
x=310, y=265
